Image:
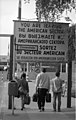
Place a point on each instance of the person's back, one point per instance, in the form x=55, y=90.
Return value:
x=57, y=89
x=42, y=87
x=24, y=83
x=56, y=84
x=43, y=80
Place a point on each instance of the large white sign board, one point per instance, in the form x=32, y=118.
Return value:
x=40, y=41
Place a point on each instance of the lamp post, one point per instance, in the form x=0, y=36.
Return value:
x=11, y=70
x=19, y=10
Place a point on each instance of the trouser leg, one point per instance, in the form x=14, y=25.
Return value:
x=22, y=101
x=54, y=100
x=39, y=99
x=43, y=94
x=59, y=101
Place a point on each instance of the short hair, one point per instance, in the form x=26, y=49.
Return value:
x=44, y=70
x=23, y=75
x=57, y=74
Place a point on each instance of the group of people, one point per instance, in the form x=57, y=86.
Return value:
x=42, y=86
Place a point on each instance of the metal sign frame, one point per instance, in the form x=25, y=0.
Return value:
x=41, y=41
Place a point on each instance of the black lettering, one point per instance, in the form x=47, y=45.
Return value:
x=56, y=42
x=21, y=29
x=36, y=25
x=54, y=53
x=32, y=35
x=25, y=24
x=22, y=35
x=45, y=47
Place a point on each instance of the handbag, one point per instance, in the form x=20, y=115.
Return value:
x=27, y=99
x=35, y=97
x=48, y=97
x=22, y=91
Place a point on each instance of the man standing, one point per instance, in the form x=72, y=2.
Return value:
x=57, y=89
x=42, y=87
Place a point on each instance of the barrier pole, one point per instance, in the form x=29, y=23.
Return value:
x=11, y=70
x=69, y=84
x=12, y=105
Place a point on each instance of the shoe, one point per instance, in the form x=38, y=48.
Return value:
x=14, y=108
x=21, y=108
x=59, y=110
x=42, y=108
x=39, y=109
x=62, y=95
x=54, y=110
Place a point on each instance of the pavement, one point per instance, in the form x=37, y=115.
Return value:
x=31, y=111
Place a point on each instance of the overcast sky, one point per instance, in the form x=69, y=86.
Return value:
x=9, y=12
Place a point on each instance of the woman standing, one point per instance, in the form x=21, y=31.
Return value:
x=24, y=89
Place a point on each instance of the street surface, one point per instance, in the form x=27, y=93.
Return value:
x=31, y=111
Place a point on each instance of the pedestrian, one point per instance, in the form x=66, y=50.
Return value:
x=24, y=89
x=57, y=90
x=42, y=87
